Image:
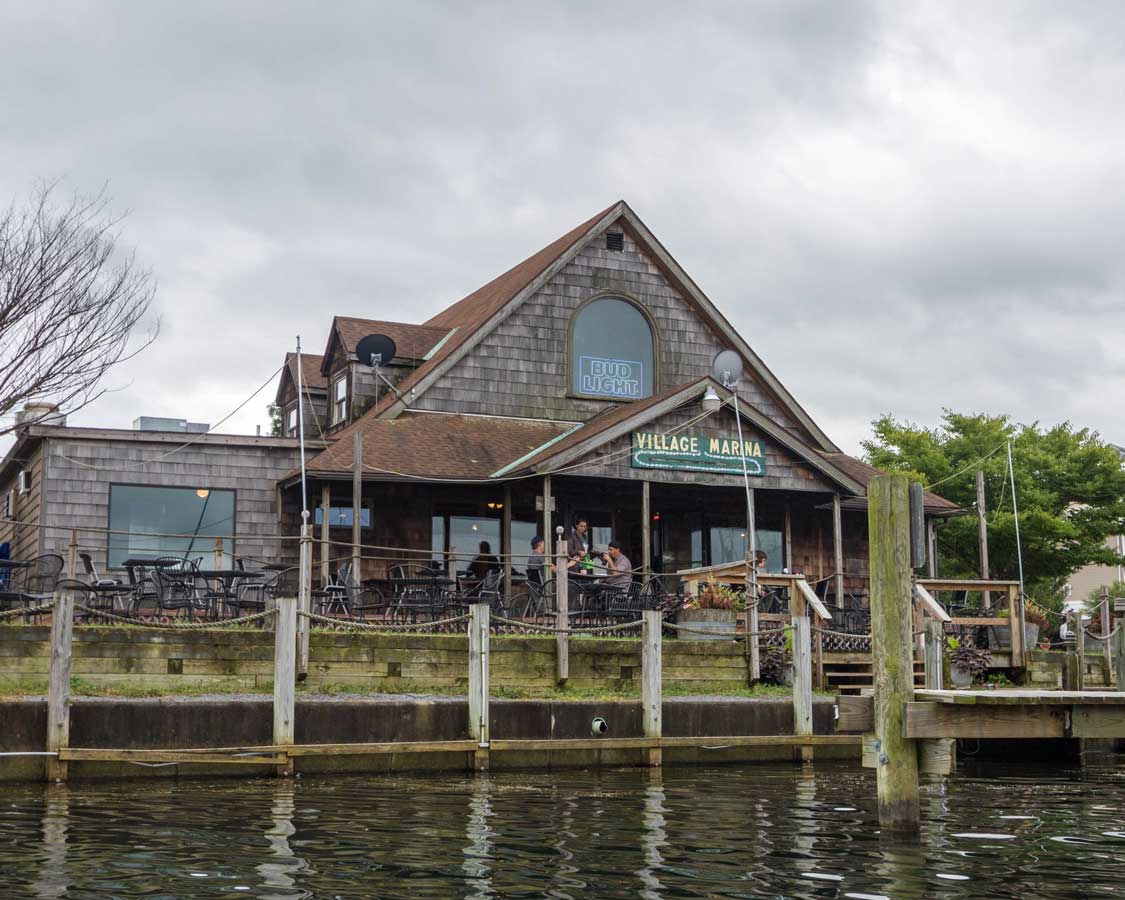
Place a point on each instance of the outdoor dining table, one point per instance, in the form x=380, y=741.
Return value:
x=228, y=580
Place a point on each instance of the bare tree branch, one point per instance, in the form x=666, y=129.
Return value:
x=70, y=302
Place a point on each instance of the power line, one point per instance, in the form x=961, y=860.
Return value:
x=971, y=465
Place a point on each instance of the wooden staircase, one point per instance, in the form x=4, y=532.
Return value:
x=851, y=673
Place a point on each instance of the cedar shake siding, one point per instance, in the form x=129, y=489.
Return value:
x=521, y=368
x=81, y=467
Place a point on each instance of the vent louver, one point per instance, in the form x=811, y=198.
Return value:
x=614, y=240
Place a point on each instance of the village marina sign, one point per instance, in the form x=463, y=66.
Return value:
x=696, y=453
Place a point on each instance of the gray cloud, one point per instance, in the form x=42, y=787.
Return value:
x=901, y=208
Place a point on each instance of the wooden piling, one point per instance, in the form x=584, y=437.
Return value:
x=562, y=617
x=325, y=546
x=58, y=690
x=652, y=696
x=802, y=681
x=1079, y=650
x=935, y=649
x=285, y=676
x=478, y=681
x=888, y=518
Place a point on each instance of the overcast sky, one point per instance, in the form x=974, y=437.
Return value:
x=902, y=207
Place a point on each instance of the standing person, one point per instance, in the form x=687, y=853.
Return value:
x=620, y=565
x=577, y=543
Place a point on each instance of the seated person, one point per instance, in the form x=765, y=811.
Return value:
x=618, y=563
x=537, y=560
x=483, y=563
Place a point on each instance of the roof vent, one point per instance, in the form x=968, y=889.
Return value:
x=614, y=240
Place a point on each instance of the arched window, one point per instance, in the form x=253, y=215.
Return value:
x=612, y=352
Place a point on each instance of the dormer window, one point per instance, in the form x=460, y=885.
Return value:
x=612, y=352
x=340, y=399
x=291, y=425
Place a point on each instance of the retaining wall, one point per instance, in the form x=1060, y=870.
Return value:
x=1045, y=670
x=243, y=659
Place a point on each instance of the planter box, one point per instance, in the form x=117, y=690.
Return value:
x=719, y=621
x=1000, y=636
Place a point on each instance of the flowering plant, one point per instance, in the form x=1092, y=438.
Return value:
x=714, y=595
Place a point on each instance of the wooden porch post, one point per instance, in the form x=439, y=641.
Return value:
x=646, y=531
x=357, y=506
x=788, y=536
x=325, y=547
x=548, y=503
x=931, y=536
x=838, y=549
x=562, y=618
x=506, y=540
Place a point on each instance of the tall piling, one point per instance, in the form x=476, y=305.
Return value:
x=888, y=518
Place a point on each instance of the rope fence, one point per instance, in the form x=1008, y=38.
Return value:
x=573, y=630
x=341, y=624
x=176, y=625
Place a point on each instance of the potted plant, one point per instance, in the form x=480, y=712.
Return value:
x=1034, y=620
x=966, y=663
x=714, y=609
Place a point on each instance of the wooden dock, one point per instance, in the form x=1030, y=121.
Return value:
x=1000, y=714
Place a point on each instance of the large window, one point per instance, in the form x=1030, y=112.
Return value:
x=145, y=515
x=611, y=351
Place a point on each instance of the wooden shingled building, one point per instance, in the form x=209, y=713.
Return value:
x=576, y=384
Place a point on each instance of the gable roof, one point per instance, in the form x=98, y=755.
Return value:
x=474, y=316
x=311, y=375
x=623, y=419
x=437, y=445
x=411, y=341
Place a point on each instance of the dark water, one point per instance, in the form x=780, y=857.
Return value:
x=761, y=831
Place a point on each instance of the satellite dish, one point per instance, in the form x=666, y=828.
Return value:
x=375, y=350
x=727, y=368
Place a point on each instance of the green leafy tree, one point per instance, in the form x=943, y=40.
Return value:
x=276, y=426
x=1070, y=491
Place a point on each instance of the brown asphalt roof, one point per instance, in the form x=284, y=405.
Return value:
x=411, y=341
x=429, y=445
x=310, y=370
x=863, y=473
x=470, y=313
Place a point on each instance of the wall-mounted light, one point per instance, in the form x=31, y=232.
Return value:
x=711, y=401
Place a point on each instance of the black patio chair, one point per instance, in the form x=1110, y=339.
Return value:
x=176, y=590
x=33, y=584
x=623, y=603
x=540, y=601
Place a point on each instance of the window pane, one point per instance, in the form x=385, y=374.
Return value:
x=466, y=534
x=341, y=516
x=199, y=514
x=612, y=352
x=437, y=539
x=729, y=545
x=522, y=533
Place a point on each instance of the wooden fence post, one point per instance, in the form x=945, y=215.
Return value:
x=888, y=518
x=478, y=680
x=1080, y=650
x=935, y=648
x=802, y=681
x=58, y=691
x=652, y=697
x=753, y=640
x=304, y=598
x=1119, y=655
x=562, y=619
x=285, y=677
